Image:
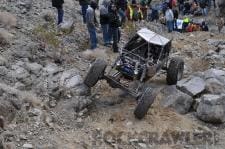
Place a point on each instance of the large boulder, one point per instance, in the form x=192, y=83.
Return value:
x=214, y=86
x=215, y=73
x=212, y=108
x=173, y=98
x=192, y=86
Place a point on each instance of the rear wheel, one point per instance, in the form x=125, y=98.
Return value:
x=175, y=71
x=95, y=72
x=144, y=102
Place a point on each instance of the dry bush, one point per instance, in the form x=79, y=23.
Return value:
x=47, y=35
x=94, y=54
x=31, y=98
x=4, y=37
x=199, y=64
x=7, y=19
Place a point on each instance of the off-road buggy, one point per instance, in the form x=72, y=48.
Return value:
x=139, y=60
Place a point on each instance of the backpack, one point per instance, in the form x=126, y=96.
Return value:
x=57, y=3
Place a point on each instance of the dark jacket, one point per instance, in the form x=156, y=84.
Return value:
x=175, y=13
x=114, y=20
x=84, y=2
x=57, y=3
x=104, y=19
x=121, y=4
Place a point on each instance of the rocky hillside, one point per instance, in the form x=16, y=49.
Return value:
x=44, y=104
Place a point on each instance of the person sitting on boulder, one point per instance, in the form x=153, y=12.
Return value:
x=58, y=4
x=204, y=27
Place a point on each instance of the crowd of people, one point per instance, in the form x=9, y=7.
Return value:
x=114, y=13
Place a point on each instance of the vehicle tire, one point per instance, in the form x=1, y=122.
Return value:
x=144, y=102
x=95, y=72
x=175, y=71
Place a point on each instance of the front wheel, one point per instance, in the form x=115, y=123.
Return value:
x=144, y=102
x=175, y=71
x=95, y=72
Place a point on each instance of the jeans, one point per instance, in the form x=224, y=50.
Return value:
x=122, y=16
x=60, y=15
x=204, y=11
x=169, y=25
x=105, y=31
x=93, y=37
x=84, y=10
x=114, y=33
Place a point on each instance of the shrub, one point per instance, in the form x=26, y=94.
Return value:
x=7, y=19
x=47, y=34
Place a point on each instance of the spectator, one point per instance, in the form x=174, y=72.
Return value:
x=204, y=26
x=220, y=24
x=154, y=14
x=175, y=14
x=144, y=7
x=114, y=24
x=169, y=19
x=104, y=21
x=203, y=6
x=90, y=20
x=58, y=4
x=181, y=6
x=122, y=7
x=187, y=8
x=84, y=6
x=186, y=22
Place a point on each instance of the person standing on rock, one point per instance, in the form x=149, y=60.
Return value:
x=58, y=4
x=220, y=24
x=104, y=21
x=114, y=24
x=91, y=25
x=169, y=19
x=84, y=6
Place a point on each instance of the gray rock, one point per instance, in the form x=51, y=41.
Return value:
x=9, y=145
x=67, y=109
x=19, y=86
x=222, y=52
x=67, y=75
x=212, y=108
x=16, y=103
x=192, y=85
x=28, y=146
x=5, y=37
x=3, y=71
x=34, y=67
x=20, y=73
x=67, y=26
x=173, y=98
x=3, y=61
x=215, y=42
x=81, y=90
x=215, y=73
x=51, y=69
x=34, y=112
x=7, y=110
x=214, y=86
x=74, y=81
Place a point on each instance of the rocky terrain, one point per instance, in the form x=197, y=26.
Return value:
x=44, y=104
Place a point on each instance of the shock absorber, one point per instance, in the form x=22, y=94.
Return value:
x=143, y=73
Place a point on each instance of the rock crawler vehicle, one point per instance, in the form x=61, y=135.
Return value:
x=142, y=57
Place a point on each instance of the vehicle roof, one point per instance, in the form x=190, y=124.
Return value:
x=152, y=37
